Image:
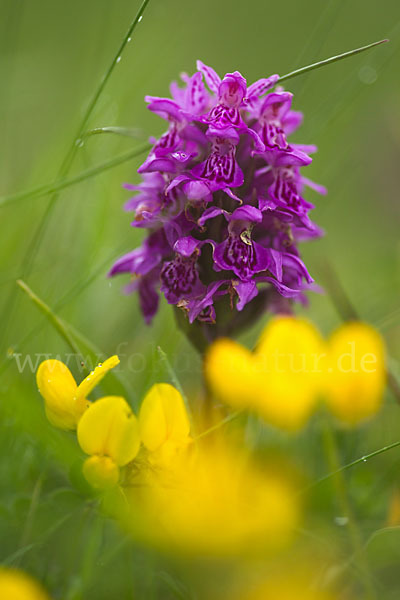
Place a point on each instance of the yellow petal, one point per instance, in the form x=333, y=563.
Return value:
x=17, y=585
x=356, y=374
x=232, y=373
x=109, y=428
x=58, y=388
x=163, y=417
x=101, y=472
x=86, y=386
x=293, y=356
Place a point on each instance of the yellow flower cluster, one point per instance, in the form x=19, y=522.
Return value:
x=292, y=367
x=17, y=585
x=107, y=429
x=175, y=489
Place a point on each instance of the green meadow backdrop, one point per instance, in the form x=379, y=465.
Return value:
x=53, y=55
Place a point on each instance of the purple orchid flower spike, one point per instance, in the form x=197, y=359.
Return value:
x=222, y=196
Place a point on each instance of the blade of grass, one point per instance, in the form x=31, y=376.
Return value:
x=350, y=465
x=343, y=498
x=137, y=134
x=330, y=60
x=67, y=163
x=81, y=347
x=61, y=184
x=72, y=294
x=174, y=378
x=57, y=323
x=218, y=425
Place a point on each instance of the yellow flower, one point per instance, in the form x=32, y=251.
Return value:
x=356, y=373
x=292, y=366
x=109, y=432
x=279, y=380
x=16, y=585
x=233, y=373
x=213, y=500
x=65, y=401
x=292, y=352
x=164, y=423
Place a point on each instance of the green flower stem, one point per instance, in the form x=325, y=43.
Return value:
x=339, y=482
x=330, y=60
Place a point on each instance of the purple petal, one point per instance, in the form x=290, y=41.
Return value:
x=276, y=269
x=276, y=105
x=245, y=259
x=197, y=190
x=232, y=89
x=186, y=245
x=290, y=260
x=148, y=299
x=284, y=290
x=246, y=292
x=221, y=170
x=197, y=305
x=212, y=79
x=251, y=214
x=258, y=88
x=164, y=107
x=321, y=189
x=196, y=97
x=292, y=120
x=211, y=213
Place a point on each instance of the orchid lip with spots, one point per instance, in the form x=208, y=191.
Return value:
x=222, y=200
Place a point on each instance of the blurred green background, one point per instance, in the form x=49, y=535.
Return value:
x=52, y=57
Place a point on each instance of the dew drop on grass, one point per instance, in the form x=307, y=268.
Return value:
x=129, y=39
x=341, y=521
x=118, y=59
x=140, y=18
